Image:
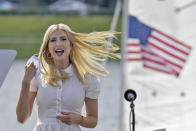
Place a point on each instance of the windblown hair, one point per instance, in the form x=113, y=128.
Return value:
x=87, y=51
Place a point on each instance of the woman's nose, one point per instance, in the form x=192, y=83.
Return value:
x=59, y=42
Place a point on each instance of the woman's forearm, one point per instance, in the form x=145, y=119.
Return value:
x=23, y=106
x=88, y=122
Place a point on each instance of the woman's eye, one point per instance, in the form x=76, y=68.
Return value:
x=52, y=40
x=64, y=39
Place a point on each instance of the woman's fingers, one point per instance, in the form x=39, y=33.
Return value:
x=65, y=119
x=30, y=70
x=69, y=118
x=31, y=65
x=65, y=113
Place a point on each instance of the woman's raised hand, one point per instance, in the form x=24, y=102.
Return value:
x=29, y=72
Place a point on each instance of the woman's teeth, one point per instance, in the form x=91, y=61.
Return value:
x=59, y=52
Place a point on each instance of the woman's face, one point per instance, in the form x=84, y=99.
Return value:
x=59, y=46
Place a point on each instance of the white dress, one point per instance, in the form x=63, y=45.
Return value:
x=69, y=97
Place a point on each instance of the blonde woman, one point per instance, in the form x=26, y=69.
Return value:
x=63, y=77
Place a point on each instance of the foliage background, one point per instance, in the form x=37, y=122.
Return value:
x=25, y=33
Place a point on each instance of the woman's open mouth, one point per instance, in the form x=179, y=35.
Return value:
x=59, y=52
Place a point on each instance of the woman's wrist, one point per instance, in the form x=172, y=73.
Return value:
x=81, y=120
x=26, y=82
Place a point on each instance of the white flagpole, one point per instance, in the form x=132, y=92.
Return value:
x=116, y=15
x=115, y=18
x=123, y=60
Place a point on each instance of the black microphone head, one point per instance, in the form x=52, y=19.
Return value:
x=130, y=95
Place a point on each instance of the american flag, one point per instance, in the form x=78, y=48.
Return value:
x=155, y=49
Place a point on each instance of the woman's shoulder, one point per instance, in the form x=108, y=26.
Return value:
x=91, y=78
x=92, y=90
x=92, y=81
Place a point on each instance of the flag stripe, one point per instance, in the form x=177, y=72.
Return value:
x=157, y=68
x=167, y=53
x=145, y=50
x=175, y=68
x=154, y=57
x=157, y=60
x=134, y=48
x=162, y=60
x=170, y=41
x=133, y=40
x=169, y=45
x=133, y=52
x=176, y=41
x=174, y=64
x=153, y=61
x=168, y=49
x=133, y=44
x=133, y=59
x=167, y=57
x=161, y=69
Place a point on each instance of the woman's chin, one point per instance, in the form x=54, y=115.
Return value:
x=61, y=57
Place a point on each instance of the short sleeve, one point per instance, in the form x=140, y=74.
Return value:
x=34, y=85
x=93, y=89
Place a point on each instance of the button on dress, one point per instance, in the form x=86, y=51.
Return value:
x=69, y=97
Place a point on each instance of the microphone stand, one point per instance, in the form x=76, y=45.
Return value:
x=132, y=117
x=130, y=95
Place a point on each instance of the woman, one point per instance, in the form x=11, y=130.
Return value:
x=63, y=78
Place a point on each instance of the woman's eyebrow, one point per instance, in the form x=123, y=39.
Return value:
x=52, y=38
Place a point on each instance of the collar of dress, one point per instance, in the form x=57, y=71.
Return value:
x=69, y=70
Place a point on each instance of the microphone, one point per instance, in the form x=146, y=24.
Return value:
x=130, y=95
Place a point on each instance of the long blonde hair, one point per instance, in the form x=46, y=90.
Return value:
x=87, y=51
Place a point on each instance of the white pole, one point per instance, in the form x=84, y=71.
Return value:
x=123, y=44
x=116, y=15
x=114, y=22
